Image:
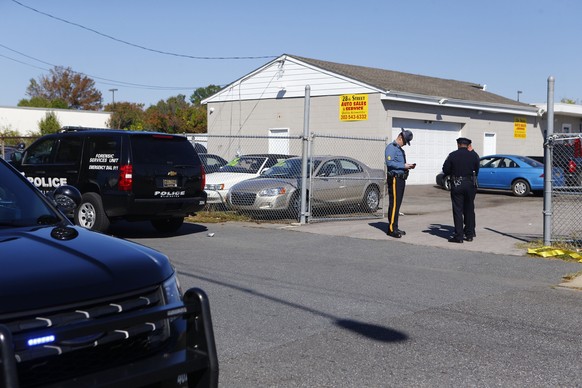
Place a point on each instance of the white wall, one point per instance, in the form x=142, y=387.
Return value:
x=25, y=120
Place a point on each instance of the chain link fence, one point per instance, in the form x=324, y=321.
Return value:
x=344, y=177
x=566, y=211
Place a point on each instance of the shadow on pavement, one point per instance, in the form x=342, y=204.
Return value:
x=136, y=230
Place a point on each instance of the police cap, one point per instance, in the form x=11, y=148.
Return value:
x=463, y=140
x=406, y=136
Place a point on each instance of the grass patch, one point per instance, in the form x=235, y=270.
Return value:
x=214, y=217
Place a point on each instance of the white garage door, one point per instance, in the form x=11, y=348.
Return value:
x=432, y=143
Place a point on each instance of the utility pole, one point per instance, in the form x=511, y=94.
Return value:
x=114, y=90
x=518, y=93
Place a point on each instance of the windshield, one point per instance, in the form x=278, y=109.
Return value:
x=290, y=168
x=244, y=164
x=20, y=204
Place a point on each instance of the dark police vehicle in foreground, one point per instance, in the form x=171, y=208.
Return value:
x=128, y=175
x=83, y=309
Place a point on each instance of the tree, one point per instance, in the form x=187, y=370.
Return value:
x=50, y=124
x=41, y=102
x=126, y=115
x=170, y=116
x=75, y=89
x=202, y=93
x=568, y=101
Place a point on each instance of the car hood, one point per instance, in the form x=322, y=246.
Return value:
x=228, y=178
x=256, y=184
x=39, y=271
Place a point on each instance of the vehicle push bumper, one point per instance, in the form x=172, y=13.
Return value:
x=197, y=359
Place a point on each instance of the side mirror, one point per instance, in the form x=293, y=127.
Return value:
x=16, y=157
x=66, y=198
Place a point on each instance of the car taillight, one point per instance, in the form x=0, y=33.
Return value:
x=571, y=166
x=125, y=177
x=203, y=176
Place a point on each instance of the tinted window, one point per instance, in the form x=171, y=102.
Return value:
x=164, y=150
x=20, y=205
x=40, y=152
x=69, y=150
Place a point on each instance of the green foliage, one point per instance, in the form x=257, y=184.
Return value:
x=42, y=102
x=10, y=137
x=202, y=93
x=50, y=124
x=126, y=115
x=568, y=101
x=176, y=115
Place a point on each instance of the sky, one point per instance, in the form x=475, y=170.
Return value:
x=152, y=50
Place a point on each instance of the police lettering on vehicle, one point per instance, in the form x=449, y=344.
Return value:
x=169, y=194
x=46, y=182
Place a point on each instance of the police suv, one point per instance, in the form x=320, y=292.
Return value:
x=83, y=309
x=127, y=175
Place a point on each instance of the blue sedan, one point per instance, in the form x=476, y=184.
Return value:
x=519, y=174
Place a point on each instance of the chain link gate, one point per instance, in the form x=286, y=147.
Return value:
x=353, y=187
x=566, y=213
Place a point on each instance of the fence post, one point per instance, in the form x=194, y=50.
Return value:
x=548, y=162
x=304, y=154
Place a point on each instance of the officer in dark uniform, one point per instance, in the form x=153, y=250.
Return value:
x=462, y=167
x=397, y=172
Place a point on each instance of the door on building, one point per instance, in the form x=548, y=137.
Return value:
x=489, y=143
x=433, y=141
x=279, y=141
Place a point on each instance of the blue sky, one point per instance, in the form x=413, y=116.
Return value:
x=508, y=45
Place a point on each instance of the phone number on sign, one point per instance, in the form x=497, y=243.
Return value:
x=354, y=117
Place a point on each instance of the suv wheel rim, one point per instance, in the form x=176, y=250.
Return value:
x=86, y=216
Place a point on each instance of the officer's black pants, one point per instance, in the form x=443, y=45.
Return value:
x=463, y=199
x=396, y=187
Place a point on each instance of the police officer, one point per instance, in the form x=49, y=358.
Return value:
x=397, y=172
x=462, y=167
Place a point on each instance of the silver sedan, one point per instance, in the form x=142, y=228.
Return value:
x=335, y=182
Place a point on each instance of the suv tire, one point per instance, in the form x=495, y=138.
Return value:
x=91, y=214
x=168, y=225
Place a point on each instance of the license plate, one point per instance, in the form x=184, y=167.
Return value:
x=170, y=183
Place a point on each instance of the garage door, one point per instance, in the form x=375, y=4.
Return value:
x=432, y=143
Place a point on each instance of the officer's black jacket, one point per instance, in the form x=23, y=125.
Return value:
x=461, y=163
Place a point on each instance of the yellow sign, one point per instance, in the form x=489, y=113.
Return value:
x=519, y=127
x=353, y=107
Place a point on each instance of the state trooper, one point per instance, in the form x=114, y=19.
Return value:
x=462, y=168
x=397, y=171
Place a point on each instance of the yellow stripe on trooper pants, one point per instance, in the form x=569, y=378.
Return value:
x=393, y=212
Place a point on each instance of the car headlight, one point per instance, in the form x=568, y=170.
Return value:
x=272, y=192
x=214, y=186
x=172, y=290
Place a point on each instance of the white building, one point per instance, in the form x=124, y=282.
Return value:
x=25, y=120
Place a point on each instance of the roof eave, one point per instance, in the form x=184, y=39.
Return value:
x=454, y=103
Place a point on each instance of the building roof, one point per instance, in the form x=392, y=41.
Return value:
x=394, y=81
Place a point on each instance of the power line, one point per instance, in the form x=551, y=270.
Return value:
x=105, y=81
x=137, y=45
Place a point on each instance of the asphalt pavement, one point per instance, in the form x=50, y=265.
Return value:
x=505, y=224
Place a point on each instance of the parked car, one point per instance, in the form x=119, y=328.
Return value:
x=568, y=158
x=7, y=151
x=335, y=181
x=83, y=309
x=520, y=174
x=131, y=175
x=237, y=170
x=211, y=162
x=443, y=181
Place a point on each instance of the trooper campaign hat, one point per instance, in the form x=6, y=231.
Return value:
x=463, y=140
x=406, y=136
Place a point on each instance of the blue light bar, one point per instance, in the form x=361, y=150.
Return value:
x=41, y=340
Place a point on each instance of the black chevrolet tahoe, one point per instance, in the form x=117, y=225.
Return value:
x=128, y=175
x=83, y=309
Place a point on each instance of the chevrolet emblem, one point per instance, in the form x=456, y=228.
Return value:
x=172, y=173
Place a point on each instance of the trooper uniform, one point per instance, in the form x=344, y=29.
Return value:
x=397, y=172
x=462, y=167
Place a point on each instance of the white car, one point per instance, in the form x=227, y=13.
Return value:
x=237, y=170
